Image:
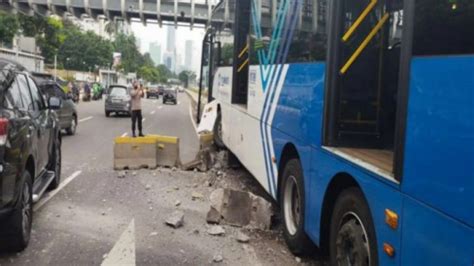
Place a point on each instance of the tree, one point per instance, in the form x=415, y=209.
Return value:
x=51, y=39
x=165, y=73
x=9, y=26
x=132, y=60
x=185, y=76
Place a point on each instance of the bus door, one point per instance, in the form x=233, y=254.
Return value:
x=206, y=72
x=241, y=53
x=363, y=73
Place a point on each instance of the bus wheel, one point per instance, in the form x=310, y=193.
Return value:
x=292, y=204
x=352, y=234
x=218, y=132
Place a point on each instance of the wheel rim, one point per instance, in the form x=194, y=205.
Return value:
x=73, y=125
x=291, y=205
x=352, y=242
x=26, y=210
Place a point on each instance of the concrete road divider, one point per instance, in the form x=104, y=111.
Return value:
x=146, y=152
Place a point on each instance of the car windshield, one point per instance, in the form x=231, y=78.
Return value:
x=118, y=91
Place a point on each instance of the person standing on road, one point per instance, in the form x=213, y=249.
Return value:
x=137, y=93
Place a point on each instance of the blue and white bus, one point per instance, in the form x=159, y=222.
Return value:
x=357, y=117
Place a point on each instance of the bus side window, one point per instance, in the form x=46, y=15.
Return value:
x=443, y=27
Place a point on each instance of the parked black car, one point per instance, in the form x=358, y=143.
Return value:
x=68, y=112
x=170, y=95
x=30, y=152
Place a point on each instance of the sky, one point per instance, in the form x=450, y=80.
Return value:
x=153, y=33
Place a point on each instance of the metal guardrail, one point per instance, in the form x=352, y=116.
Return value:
x=31, y=62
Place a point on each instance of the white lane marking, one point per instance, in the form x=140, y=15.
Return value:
x=85, y=119
x=53, y=193
x=123, y=252
x=124, y=134
x=152, y=112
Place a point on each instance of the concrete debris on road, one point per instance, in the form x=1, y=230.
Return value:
x=242, y=238
x=197, y=196
x=177, y=203
x=239, y=208
x=217, y=258
x=148, y=187
x=216, y=230
x=213, y=216
x=298, y=259
x=176, y=219
x=153, y=233
x=121, y=175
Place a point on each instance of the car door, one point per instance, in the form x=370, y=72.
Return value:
x=67, y=108
x=34, y=133
x=41, y=118
x=18, y=142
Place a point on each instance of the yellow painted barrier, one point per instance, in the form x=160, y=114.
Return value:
x=146, y=152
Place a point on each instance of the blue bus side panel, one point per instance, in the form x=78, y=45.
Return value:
x=299, y=110
x=439, y=148
x=432, y=238
x=380, y=195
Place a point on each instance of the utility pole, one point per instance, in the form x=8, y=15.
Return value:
x=55, y=67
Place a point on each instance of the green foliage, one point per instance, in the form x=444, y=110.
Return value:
x=132, y=60
x=186, y=76
x=52, y=39
x=85, y=51
x=9, y=26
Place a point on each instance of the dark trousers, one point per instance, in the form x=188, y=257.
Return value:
x=137, y=117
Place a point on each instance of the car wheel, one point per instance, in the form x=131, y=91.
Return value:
x=55, y=166
x=18, y=227
x=352, y=238
x=292, y=207
x=107, y=113
x=218, y=134
x=71, y=130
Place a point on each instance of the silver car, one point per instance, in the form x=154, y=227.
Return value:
x=118, y=100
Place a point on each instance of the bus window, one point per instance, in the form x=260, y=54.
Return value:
x=364, y=83
x=309, y=42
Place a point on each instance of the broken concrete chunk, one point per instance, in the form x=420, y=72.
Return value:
x=216, y=230
x=196, y=195
x=177, y=203
x=217, y=258
x=213, y=216
x=239, y=208
x=242, y=238
x=121, y=175
x=153, y=233
x=176, y=219
x=148, y=187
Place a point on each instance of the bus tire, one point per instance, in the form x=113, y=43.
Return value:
x=352, y=234
x=218, y=132
x=292, y=207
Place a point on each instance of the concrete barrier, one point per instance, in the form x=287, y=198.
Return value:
x=146, y=152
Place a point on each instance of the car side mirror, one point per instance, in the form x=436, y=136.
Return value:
x=54, y=103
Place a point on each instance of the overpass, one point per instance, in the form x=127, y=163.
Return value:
x=174, y=11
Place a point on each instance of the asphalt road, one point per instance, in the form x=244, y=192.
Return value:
x=96, y=218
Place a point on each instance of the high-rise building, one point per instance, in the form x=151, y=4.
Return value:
x=168, y=61
x=188, y=55
x=171, y=40
x=155, y=52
